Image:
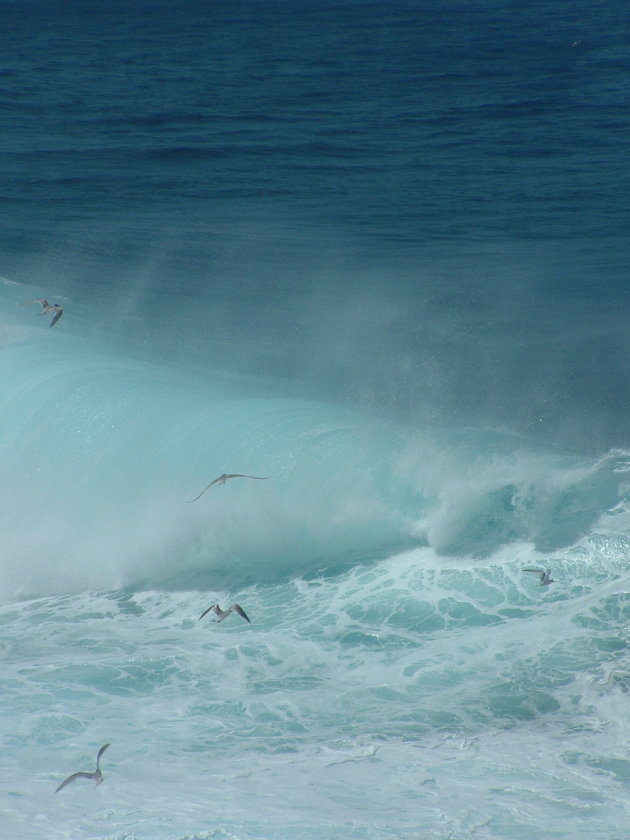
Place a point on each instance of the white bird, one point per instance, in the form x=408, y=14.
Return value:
x=221, y=614
x=223, y=478
x=543, y=574
x=46, y=308
x=97, y=775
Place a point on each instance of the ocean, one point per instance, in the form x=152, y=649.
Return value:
x=374, y=252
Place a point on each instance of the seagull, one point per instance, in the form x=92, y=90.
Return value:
x=97, y=775
x=223, y=478
x=224, y=613
x=47, y=307
x=543, y=574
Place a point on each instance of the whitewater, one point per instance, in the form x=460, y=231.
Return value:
x=400, y=672
x=376, y=252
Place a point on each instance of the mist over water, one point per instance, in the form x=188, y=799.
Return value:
x=377, y=253
x=497, y=337
x=332, y=198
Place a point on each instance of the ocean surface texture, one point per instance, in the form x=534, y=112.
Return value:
x=377, y=253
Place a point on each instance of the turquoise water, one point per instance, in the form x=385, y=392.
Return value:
x=377, y=252
x=399, y=670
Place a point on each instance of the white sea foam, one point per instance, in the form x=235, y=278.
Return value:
x=395, y=693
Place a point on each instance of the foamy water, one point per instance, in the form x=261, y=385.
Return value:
x=400, y=670
x=373, y=700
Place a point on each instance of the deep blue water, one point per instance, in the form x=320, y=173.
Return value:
x=377, y=251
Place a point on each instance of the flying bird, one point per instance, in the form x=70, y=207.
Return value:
x=97, y=775
x=543, y=574
x=221, y=614
x=46, y=308
x=223, y=478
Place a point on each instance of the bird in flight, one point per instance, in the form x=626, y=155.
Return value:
x=46, y=308
x=97, y=775
x=543, y=574
x=221, y=614
x=223, y=478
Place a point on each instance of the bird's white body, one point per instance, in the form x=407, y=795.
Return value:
x=47, y=308
x=223, y=614
x=97, y=776
x=223, y=478
x=543, y=574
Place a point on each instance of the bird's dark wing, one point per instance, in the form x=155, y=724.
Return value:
x=240, y=611
x=207, y=611
x=240, y=475
x=100, y=753
x=201, y=494
x=539, y=572
x=206, y=488
x=58, y=315
x=79, y=775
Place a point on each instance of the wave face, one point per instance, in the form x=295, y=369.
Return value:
x=375, y=253
x=100, y=480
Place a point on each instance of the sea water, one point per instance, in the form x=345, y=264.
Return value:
x=376, y=253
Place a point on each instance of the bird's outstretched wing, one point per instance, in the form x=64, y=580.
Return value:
x=240, y=611
x=240, y=475
x=207, y=488
x=100, y=753
x=42, y=302
x=205, y=612
x=79, y=775
x=57, y=316
x=539, y=572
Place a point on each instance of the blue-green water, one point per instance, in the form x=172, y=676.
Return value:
x=377, y=252
x=399, y=670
